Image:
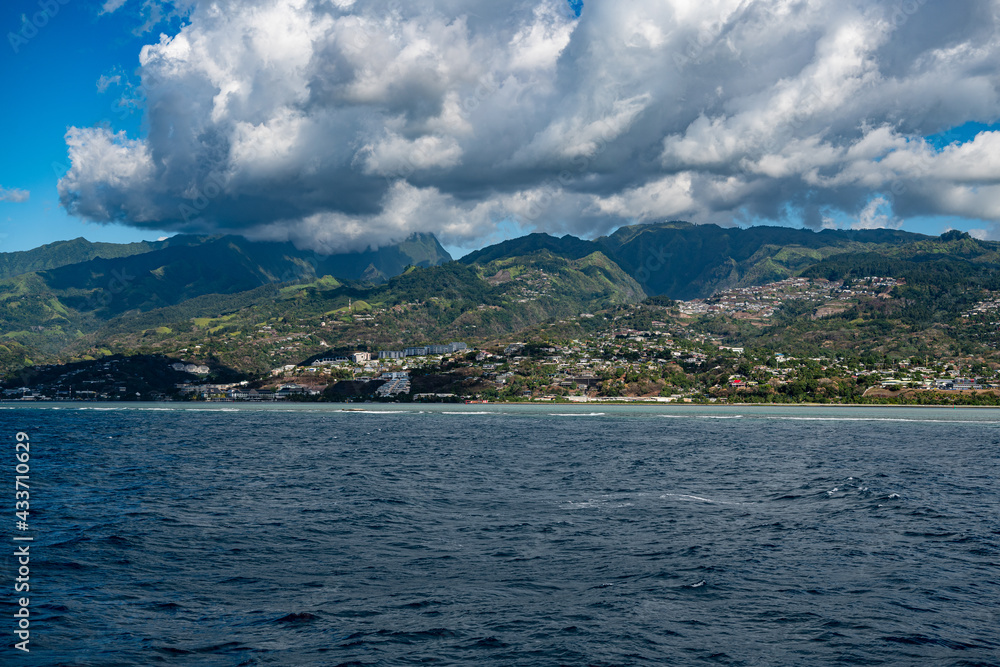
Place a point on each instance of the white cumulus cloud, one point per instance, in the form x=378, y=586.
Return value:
x=340, y=124
x=877, y=215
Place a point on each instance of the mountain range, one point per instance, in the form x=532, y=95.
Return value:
x=686, y=261
x=75, y=299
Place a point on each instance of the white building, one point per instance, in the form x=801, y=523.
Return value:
x=396, y=383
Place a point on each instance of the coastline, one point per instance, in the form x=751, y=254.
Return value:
x=367, y=406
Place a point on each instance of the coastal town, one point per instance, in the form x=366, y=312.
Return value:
x=760, y=302
x=650, y=355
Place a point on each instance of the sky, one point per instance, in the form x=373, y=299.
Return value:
x=345, y=124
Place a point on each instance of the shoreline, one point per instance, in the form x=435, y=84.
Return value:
x=588, y=405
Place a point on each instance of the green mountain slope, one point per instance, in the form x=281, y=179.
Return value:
x=63, y=253
x=937, y=310
x=568, y=246
x=251, y=306
x=685, y=261
x=187, y=268
x=47, y=311
x=222, y=265
x=223, y=291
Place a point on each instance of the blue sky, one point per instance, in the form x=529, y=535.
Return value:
x=449, y=182
x=53, y=81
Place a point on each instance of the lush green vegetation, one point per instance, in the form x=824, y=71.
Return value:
x=64, y=253
x=686, y=261
x=253, y=306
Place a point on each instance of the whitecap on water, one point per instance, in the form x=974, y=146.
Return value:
x=905, y=420
x=687, y=496
x=581, y=505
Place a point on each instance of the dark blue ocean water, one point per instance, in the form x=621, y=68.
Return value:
x=498, y=535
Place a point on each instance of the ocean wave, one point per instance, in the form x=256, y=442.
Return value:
x=904, y=420
x=685, y=496
x=691, y=497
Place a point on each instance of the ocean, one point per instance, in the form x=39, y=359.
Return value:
x=234, y=534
